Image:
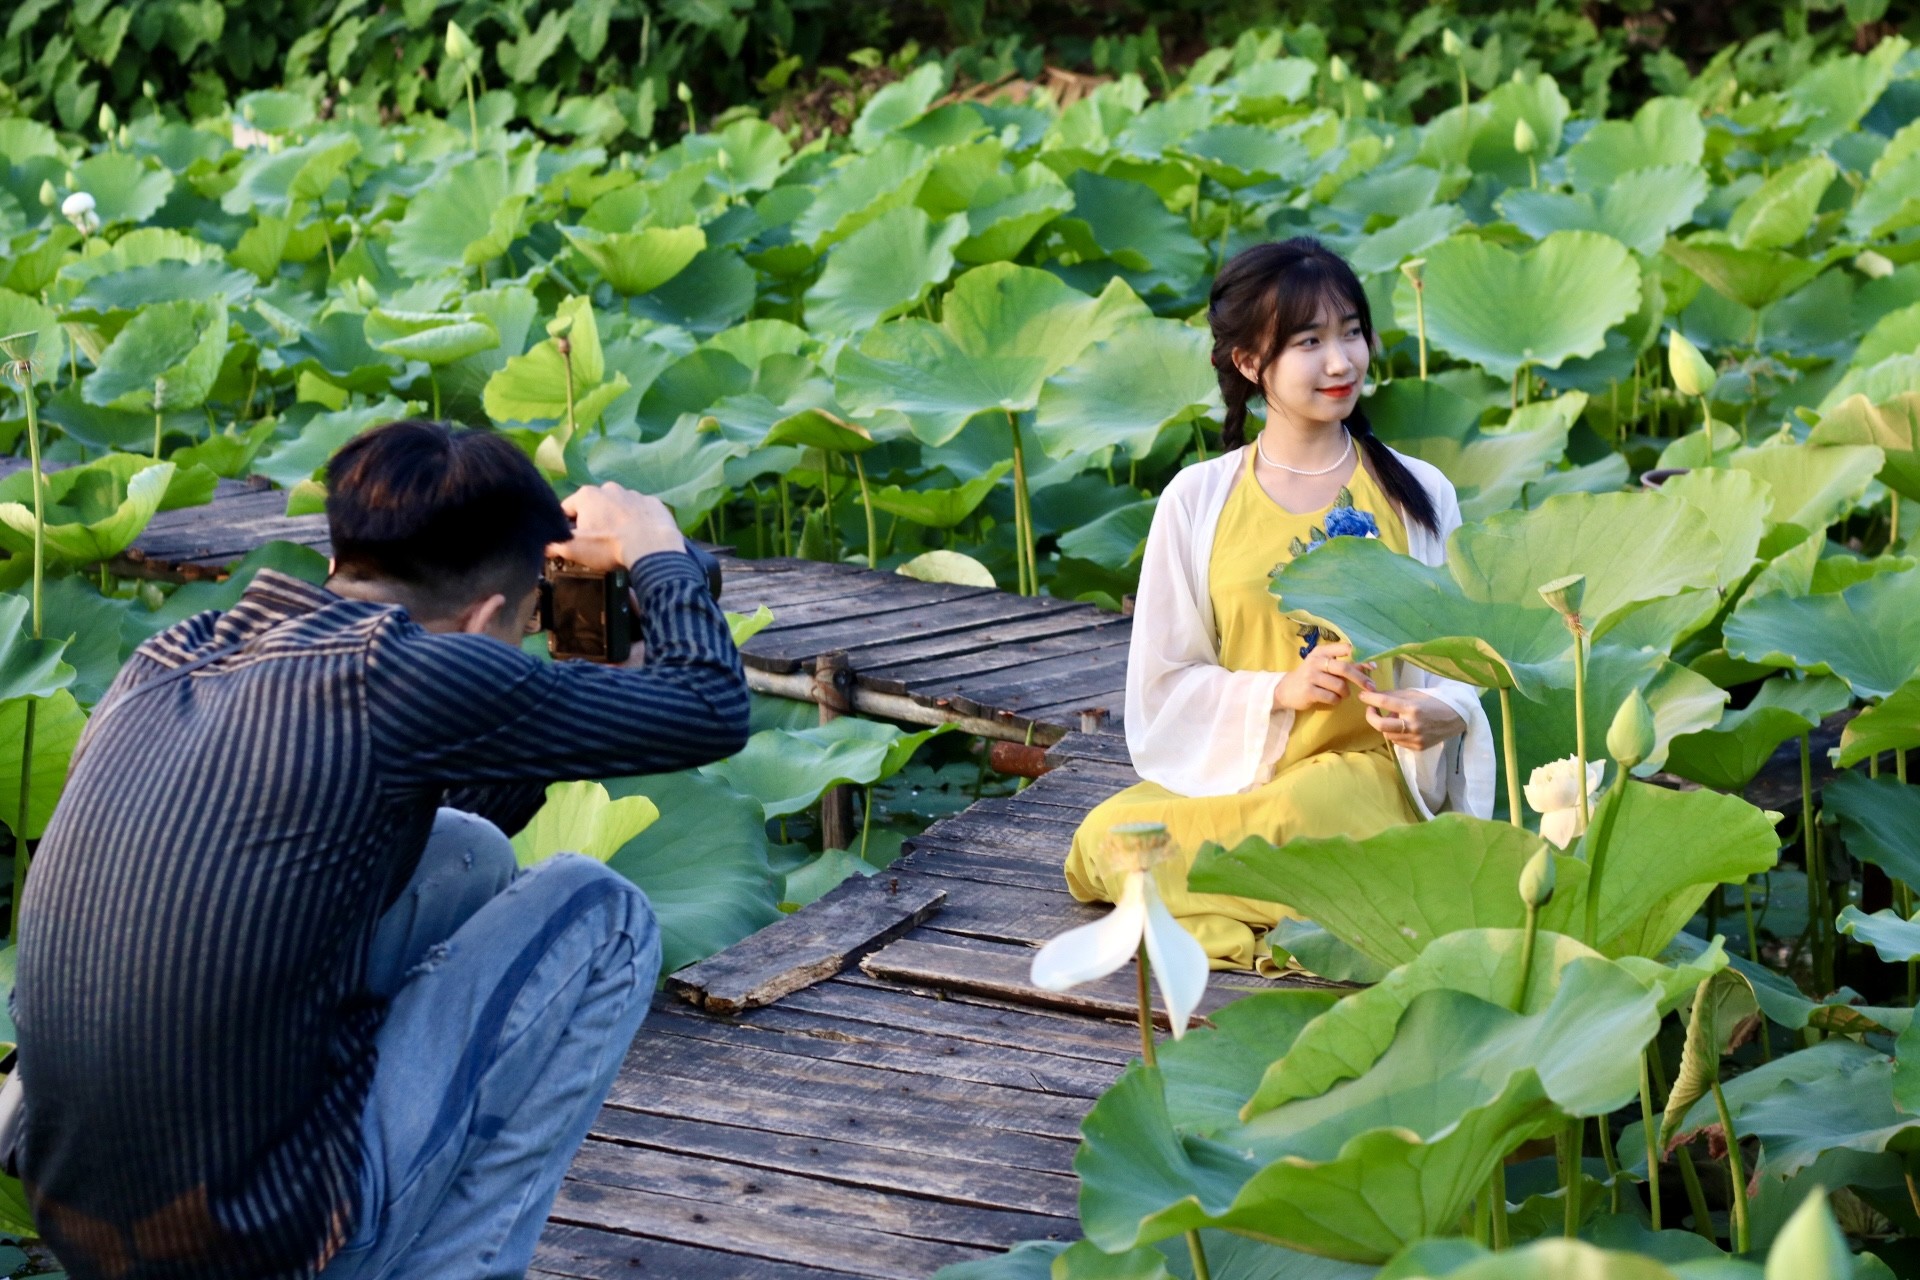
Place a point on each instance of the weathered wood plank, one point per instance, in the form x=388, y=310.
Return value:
x=927, y=674
x=1107, y=747
x=955, y=621
x=1095, y=671
x=808, y=946
x=980, y=1180
x=589, y=1253
x=855, y=998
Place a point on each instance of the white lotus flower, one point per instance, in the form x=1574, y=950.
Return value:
x=246, y=137
x=1553, y=793
x=1179, y=964
x=78, y=209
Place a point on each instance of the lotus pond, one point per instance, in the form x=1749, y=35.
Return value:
x=1671, y=360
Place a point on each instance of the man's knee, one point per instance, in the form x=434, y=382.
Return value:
x=578, y=885
x=466, y=847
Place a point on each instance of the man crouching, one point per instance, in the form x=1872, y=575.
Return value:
x=285, y=1007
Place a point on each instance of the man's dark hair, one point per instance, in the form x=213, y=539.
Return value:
x=452, y=515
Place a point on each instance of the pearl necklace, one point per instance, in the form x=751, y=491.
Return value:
x=1260, y=445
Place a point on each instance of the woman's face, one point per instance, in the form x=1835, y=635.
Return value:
x=1316, y=375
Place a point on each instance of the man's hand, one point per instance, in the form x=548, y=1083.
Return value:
x=1412, y=718
x=1322, y=679
x=613, y=526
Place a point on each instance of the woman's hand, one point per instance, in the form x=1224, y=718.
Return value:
x=1322, y=679
x=1412, y=718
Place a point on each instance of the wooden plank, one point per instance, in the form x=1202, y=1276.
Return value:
x=808, y=946
x=954, y=619
x=1107, y=747
x=1004, y=974
x=1110, y=700
x=793, y=1197
x=589, y=1253
x=1012, y=913
x=878, y=594
x=806, y=1240
x=854, y=998
x=980, y=1181
x=1044, y=683
x=940, y=672
x=1025, y=871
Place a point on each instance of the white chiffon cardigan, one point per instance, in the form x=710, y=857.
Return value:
x=1199, y=729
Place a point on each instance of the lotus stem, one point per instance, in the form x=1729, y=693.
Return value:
x=1573, y=1143
x=866, y=500
x=1648, y=1131
x=1816, y=872
x=39, y=507
x=1199, y=443
x=1198, y=1252
x=1526, y=959
x=565, y=347
x=1612, y=1162
x=159, y=422
x=866, y=818
x=1746, y=906
x=1696, y=1198
x=1420, y=322
x=1580, y=716
x=473, y=117
x=1597, y=840
x=1512, y=755
x=1022, y=514
x=1143, y=970
x=433, y=380
x=786, y=519
x=1460, y=65
x=1497, y=1196
x=24, y=815
x=1737, y=1193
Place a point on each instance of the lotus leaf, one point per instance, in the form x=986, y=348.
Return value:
x=861, y=190
x=167, y=357
x=93, y=512
x=1664, y=131
x=686, y=468
x=1244, y=155
x=1736, y=504
x=1490, y=469
x=20, y=314
x=1504, y=310
x=1893, y=428
x=898, y=104
x=273, y=182
x=1537, y=101
x=1892, y=724
x=636, y=262
x=1387, y=248
x=939, y=508
x=948, y=566
x=1114, y=541
x=1893, y=937
x=124, y=187
x=29, y=667
x=1682, y=701
x=886, y=267
x=579, y=817
x=1640, y=209
x=335, y=348
x=434, y=338
x=1813, y=485
x=788, y=770
x=1462, y=1082
x=467, y=215
x=320, y=437
x=1861, y=634
x=1126, y=222
x=1781, y=211
x=1888, y=203
x=169, y=281
x=1126, y=389
x=703, y=864
x=57, y=724
x=1754, y=278
x=1728, y=755
x=534, y=387
x=1880, y=821
x=1003, y=331
x=1007, y=212
x=1724, y=1007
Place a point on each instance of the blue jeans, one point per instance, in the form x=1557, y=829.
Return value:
x=514, y=998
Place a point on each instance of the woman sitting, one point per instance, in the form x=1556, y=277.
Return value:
x=1242, y=721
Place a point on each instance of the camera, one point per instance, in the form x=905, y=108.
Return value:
x=592, y=615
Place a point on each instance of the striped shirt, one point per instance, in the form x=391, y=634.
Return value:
x=195, y=1029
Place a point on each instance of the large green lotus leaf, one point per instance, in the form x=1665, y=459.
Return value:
x=579, y=817
x=90, y=625
x=686, y=468
x=1885, y=380
x=1003, y=331
x=1631, y=547
x=1419, y=613
x=21, y=314
x=1501, y=310
x=272, y=182
x=125, y=188
x=822, y=430
x=788, y=770
x=466, y=215
x=431, y=337
x=1491, y=469
x=1664, y=131
x=1723, y=1003
x=1412, y=409
x=93, y=512
x=1387, y=248
x=334, y=348
x=886, y=267
x=1377, y=1161
x=1837, y=1095
x=898, y=104
x=939, y=508
x=1126, y=389
x=1781, y=211
x=1888, y=204
x=1009, y=210
x=1244, y=155
x=1539, y=102
x=28, y=667
x=1893, y=937
x=169, y=281
x=1114, y=541
x=1754, y=278
x=1683, y=701
x=1728, y=755
x=1126, y=221
x=756, y=152
x=1864, y=634
x=169, y=353
x=636, y=262
x=1813, y=485
x=1736, y=504
x=860, y=190
x=1212, y=1071
x=703, y=864
x=1892, y=724
x=1893, y=428
x=1880, y=821
x=1391, y=895
x=319, y=438
x=1481, y=962
x=1639, y=209
x=533, y=387
x=57, y=724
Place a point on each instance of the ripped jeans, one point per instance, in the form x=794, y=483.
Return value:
x=514, y=997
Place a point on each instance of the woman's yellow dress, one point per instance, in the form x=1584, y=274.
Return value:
x=1337, y=777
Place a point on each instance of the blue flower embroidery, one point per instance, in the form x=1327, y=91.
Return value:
x=1344, y=520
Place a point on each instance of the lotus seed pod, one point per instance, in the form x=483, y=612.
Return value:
x=1411, y=269
x=1536, y=879
x=1565, y=594
x=1523, y=140
x=1691, y=372
x=1138, y=846
x=459, y=45
x=1451, y=44
x=1630, y=738
x=563, y=346
x=1337, y=69
x=1875, y=266
x=18, y=347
